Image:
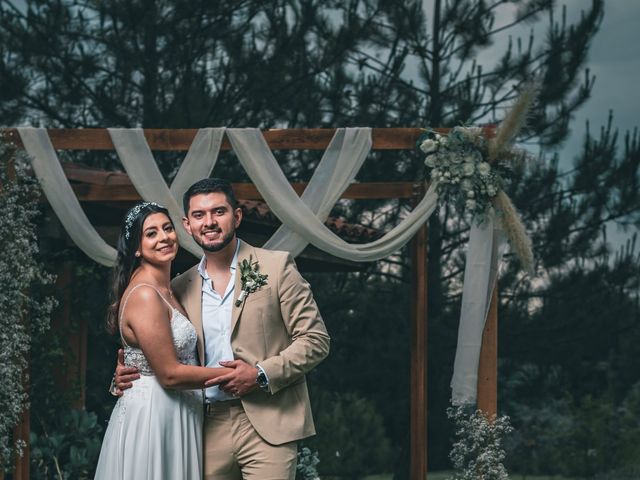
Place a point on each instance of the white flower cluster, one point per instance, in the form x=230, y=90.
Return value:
x=306, y=467
x=24, y=309
x=251, y=278
x=457, y=161
x=477, y=451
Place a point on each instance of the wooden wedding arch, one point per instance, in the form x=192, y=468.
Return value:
x=307, y=139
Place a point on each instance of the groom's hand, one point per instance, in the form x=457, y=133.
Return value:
x=240, y=381
x=124, y=375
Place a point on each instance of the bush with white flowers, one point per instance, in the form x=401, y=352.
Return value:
x=24, y=308
x=477, y=452
x=307, y=462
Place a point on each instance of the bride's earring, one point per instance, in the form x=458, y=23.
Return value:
x=137, y=254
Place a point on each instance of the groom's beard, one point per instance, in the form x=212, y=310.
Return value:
x=226, y=240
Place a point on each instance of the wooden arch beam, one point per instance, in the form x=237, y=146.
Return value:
x=178, y=140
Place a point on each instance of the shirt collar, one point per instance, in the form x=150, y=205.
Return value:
x=202, y=266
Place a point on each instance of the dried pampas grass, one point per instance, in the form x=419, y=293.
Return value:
x=513, y=122
x=515, y=231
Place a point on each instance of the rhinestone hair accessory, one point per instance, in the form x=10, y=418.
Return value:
x=133, y=213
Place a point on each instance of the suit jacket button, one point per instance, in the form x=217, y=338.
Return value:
x=238, y=349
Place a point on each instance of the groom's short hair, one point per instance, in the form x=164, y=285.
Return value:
x=209, y=185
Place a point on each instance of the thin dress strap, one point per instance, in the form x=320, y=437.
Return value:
x=126, y=299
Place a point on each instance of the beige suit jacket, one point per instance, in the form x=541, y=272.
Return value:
x=279, y=327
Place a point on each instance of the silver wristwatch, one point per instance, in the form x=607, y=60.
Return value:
x=262, y=380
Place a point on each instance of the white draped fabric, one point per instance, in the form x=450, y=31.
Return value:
x=136, y=156
x=61, y=197
x=335, y=172
x=258, y=161
x=486, y=246
x=302, y=217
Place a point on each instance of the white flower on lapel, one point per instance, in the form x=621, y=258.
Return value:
x=251, y=279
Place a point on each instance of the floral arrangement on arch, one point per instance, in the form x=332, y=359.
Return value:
x=470, y=170
x=457, y=161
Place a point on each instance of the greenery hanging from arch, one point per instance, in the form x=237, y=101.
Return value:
x=25, y=309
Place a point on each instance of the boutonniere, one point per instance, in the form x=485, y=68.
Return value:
x=251, y=279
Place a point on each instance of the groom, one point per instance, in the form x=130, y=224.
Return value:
x=271, y=336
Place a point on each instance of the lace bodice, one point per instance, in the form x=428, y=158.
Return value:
x=185, y=341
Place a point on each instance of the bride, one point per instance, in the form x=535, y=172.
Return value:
x=155, y=430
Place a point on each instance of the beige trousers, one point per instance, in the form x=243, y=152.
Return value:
x=234, y=450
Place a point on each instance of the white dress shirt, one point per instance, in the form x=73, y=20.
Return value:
x=216, y=323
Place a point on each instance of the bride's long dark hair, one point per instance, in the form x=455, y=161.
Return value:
x=126, y=261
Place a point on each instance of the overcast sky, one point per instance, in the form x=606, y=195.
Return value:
x=613, y=59
x=615, y=62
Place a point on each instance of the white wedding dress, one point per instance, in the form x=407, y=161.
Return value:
x=154, y=433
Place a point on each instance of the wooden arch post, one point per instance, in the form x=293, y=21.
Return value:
x=419, y=399
x=317, y=139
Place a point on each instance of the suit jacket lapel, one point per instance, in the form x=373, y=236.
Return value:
x=245, y=252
